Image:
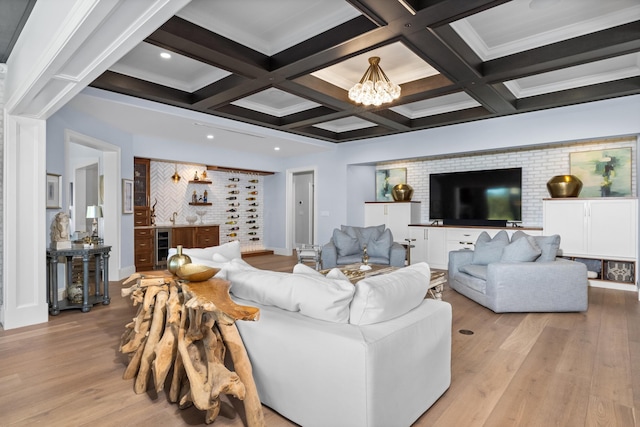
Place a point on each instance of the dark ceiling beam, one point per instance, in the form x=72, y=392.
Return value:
x=453, y=117
x=185, y=38
x=127, y=85
x=250, y=116
x=580, y=50
x=327, y=40
x=435, y=13
x=624, y=87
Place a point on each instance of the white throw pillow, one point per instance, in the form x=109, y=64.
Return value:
x=311, y=294
x=387, y=296
x=334, y=273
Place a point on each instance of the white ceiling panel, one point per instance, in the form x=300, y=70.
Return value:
x=439, y=105
x=345, y=124
x=180, y=72
x=398, y=62
x=275, y=102
x=272, y=26
x=516, y=26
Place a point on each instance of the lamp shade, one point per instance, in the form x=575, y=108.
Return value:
x=94, y=211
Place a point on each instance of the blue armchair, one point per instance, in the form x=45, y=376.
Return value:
x=347, y=245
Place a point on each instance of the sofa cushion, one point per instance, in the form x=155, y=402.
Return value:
x=549, y=245
x=345, y=244
x=381, y=246
x=475, y=270
x=487, y=249
x=312, y=295
x=387, y=296
x=521, y=250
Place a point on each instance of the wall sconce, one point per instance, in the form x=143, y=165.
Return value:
x=176, y=178
x=94, y=212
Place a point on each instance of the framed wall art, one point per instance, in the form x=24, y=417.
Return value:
x=604, y=173
x=127, y=196
x=54, y=181
x=386, y=179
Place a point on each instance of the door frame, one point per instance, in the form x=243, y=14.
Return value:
x=290, y=203
x=112, y=201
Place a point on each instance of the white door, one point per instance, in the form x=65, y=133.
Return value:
x=303, y=208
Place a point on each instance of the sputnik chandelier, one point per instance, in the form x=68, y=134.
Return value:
x=374, y=88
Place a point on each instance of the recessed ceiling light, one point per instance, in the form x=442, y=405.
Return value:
x=276, y=148
x=165, y=55
x=210, y=136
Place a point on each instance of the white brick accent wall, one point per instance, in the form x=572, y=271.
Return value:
x=175, y=197
x=538, y=166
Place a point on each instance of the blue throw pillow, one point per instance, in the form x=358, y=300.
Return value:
x=549, y=245
x=345, y=244
x=381, y=246
x=488, y=250
x=364, y=234
x=521, y=250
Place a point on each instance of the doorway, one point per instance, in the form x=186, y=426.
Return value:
x=303, y=215
x=301, y=207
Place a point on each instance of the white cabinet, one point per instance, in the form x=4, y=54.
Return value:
x=396, y=216
x=602, y=233
x=603, y=228
x=429, y=246
x=433, y=243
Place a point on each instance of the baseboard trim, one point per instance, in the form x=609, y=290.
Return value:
x=613, y=285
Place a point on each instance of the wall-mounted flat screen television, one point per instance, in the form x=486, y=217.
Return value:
x=486, y=197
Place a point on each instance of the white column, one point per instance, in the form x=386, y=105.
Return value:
x=24, y=290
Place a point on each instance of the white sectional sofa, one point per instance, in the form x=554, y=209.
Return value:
x=327, y=353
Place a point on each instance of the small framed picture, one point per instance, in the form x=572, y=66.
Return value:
x=127, y=196
x=54, y=181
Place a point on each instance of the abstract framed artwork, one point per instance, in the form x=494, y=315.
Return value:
x=386, y=179
x=54, y=182
x=604, y=173
x=127, y=196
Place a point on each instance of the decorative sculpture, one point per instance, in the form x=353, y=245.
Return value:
x=60, y=238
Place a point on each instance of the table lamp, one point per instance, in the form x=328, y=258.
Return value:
x=94, y=212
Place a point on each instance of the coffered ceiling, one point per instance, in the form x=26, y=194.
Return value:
x=288, y=64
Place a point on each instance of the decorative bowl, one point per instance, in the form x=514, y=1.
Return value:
x=196, y=272
x=564, y=186
x=191, y=219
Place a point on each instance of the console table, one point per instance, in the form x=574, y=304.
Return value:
x=100, y=253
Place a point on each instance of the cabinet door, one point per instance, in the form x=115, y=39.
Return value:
x=419, y=252
x=141, y=181
x=398, y=220
x=613, y=228
x=375, y=214
x=183, y=236
x=568, y=218
x=437, y=248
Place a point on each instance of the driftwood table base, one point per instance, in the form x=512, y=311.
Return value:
x=185, y=328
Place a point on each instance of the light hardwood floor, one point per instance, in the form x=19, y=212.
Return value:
x=546, y=369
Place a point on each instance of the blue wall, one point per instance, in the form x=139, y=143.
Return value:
x=345, y=174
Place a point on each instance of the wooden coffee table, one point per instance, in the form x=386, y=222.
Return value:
x=355, y=274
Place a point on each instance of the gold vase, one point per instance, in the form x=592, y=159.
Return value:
x=402, y=192
x=564, y=186
x=178, y=260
